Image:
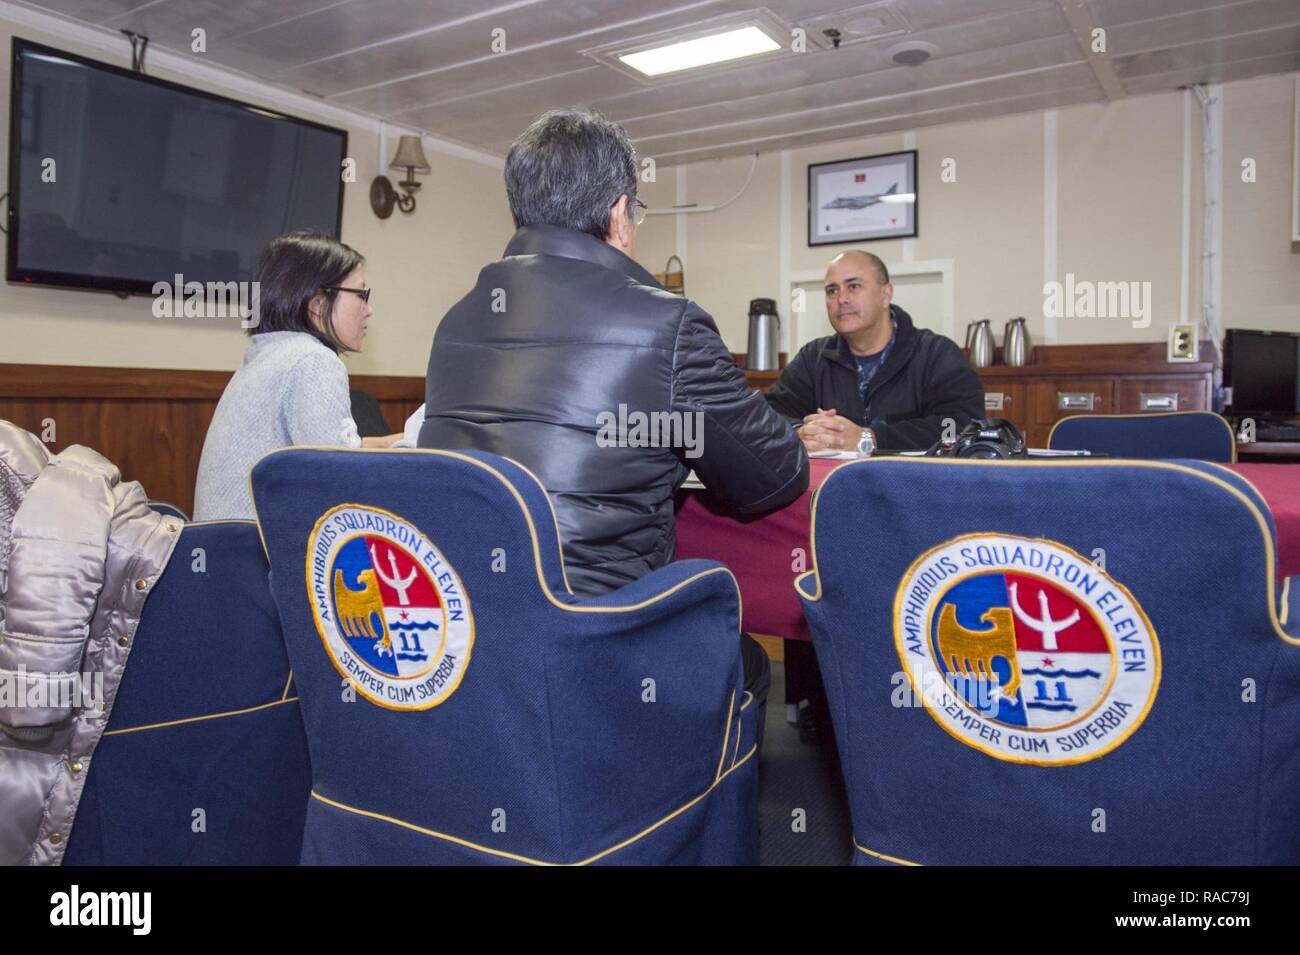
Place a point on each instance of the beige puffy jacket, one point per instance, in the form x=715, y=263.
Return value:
x=80, y=552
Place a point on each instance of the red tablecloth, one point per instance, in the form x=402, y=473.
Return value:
x=764, y=552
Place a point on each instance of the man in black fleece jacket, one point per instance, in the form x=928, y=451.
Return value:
x=879, y=372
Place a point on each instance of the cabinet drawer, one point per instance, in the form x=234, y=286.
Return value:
x=1005, y=399
x=1156, y=395
x=1054, y=400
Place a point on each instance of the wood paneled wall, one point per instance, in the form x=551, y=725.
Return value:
x=149, y=422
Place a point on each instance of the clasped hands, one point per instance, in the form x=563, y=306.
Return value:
x=827, y=431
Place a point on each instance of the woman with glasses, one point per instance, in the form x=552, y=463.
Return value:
x=292, y=388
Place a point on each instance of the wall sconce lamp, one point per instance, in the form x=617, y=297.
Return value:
x=410, y=156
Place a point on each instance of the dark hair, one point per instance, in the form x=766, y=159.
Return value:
x=567, y=169
x=291, y=271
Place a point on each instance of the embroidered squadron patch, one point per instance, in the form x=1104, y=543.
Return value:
x=389, y=608
x=1024, y=650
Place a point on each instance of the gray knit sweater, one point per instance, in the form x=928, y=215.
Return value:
x=290, y=390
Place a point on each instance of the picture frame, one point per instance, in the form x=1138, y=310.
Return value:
x=864, y=199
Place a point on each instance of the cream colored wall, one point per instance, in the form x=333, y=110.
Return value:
x=1119, y=210
x=419, y=265
x=994, y=240
x=1261, y=268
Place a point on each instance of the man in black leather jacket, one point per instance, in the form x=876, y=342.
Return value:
x=566, y=348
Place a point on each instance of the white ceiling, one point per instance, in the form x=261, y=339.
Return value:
x=432, y=66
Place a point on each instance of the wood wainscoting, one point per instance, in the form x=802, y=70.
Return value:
x=150, y=422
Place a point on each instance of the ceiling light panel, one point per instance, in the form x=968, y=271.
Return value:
x=702, y=51
x=696, y=48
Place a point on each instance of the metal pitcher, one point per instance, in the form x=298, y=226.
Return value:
x=979, y=342
x=764, y=336
x=1016, y=348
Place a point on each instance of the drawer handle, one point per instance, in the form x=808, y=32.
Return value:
x=1076, y=400
x=1159, y=401
x=995, y=400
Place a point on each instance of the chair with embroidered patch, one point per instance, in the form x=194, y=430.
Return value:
x=1085, y=664
x=1201, y=435
x=462, y=706
x=204, y=760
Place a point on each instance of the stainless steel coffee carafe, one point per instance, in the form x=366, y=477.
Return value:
x=764, y=352
x=1016, y=348
x=979, y=340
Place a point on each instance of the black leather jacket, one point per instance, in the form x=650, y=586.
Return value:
x=534, y=364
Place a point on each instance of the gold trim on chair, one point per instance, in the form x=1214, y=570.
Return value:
x=501, y=854
x=1232, y=436
x=881, y=855
x=528, y=519
x=1270, y=553
x=199, y=719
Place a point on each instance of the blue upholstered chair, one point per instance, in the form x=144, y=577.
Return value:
x=167, y=509
x=462, y=706
x=1000, y=698
x=1201, y=435
x=204, y=760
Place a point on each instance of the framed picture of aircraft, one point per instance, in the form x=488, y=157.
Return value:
x=858, y=200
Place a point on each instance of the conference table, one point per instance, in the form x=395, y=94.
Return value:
x=763, y=551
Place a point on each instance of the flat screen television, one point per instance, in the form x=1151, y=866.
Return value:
x=1263, y=371
x=118, y=180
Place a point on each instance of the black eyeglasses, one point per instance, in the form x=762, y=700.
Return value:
x=362, y=293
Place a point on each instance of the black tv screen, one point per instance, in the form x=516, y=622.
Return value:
x=118, y=180
x=1263, y=370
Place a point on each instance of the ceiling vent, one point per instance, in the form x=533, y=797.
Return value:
x=912, y=52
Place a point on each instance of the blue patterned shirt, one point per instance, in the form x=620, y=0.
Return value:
x=868, y=365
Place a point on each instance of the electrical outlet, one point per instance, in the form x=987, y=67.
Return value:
x=1183, y=345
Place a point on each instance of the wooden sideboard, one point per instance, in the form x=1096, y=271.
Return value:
x=1066, y=380
x=760, y=380
x=150, y=422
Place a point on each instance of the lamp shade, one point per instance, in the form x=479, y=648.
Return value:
x=410, y=154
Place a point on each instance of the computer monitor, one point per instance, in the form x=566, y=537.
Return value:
x=1262, y=369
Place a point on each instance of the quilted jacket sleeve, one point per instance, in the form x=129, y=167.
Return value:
x=748, y=455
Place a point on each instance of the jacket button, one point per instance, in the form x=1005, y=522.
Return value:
x=141, y=584
x=171, y=528
x=55, y=838
x=122, y=641
x=75, y=767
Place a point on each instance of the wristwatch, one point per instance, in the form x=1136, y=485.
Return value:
x=867, y=443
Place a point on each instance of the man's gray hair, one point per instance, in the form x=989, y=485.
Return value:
x=567, y=169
